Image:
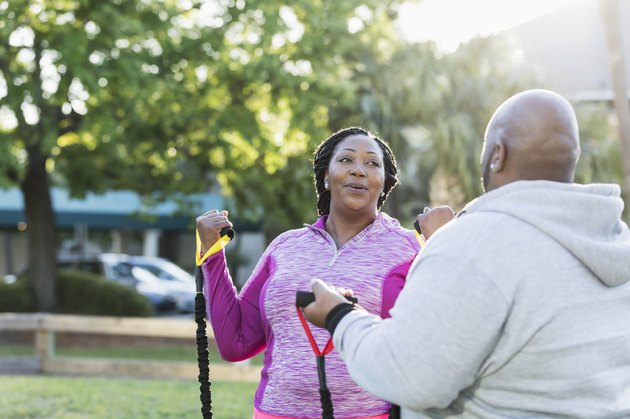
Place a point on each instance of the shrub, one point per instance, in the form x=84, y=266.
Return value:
x=79, y=292
x=86, y=293
x=16, y=297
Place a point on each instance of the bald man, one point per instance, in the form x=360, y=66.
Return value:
x=520, y=307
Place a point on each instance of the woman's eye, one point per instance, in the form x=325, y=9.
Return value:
x=374, y=163
x=344, y=159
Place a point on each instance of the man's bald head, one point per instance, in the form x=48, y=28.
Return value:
x=531, y=136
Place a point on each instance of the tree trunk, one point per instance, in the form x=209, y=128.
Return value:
x=610, y=14
x=41, y=231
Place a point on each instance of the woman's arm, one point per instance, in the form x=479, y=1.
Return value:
x=392, y=285
x=236, y=319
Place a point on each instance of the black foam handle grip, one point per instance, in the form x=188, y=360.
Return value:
x=304, y=298
x=227, y=231
x=416, y=225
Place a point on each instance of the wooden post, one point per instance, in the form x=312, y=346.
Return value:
x=44, y=347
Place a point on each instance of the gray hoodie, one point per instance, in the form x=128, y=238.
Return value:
x=519, y=308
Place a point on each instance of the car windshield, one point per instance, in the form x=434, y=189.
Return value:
x=164, y=270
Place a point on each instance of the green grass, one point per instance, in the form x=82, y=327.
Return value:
x=92, y=398
x=156, y=352
x=17, y=350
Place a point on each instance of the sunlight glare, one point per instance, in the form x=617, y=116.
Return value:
x=451, y=22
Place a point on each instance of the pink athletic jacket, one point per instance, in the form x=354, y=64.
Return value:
x=263, y=316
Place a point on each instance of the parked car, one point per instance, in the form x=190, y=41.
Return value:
x=177, y=282
x=116, y=268
x=167, y=276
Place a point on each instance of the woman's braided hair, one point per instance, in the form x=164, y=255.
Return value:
x=321, y=162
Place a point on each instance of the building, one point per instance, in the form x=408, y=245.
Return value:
x=120, y=222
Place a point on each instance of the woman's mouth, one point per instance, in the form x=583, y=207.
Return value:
x=356, y=187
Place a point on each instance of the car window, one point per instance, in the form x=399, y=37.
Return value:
x=121, y=270
x=160, y=273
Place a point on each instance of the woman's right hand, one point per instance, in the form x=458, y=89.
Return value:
x=209, y=226
x=434, y=218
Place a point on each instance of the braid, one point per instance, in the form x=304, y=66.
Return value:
x=324, y=153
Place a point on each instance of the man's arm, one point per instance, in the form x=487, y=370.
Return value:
x=444, y=324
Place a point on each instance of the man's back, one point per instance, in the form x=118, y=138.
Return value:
x=565, y=342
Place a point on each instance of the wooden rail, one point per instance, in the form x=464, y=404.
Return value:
x=45, y=326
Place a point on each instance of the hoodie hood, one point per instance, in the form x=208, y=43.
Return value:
x=584, y=219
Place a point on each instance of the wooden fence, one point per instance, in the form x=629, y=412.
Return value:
x=45, y=326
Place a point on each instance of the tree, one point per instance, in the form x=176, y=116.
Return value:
x=297, y=79
x=433, y=108
x=88, y=85
x=168, y=96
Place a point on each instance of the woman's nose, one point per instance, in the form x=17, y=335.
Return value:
x=358, y=170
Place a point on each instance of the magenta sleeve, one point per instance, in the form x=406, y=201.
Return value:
x=236, y=319
x=392, y=285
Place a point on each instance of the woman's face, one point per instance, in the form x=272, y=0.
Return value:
x=356, y=174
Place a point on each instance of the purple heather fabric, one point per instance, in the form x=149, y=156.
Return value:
x=262, y=316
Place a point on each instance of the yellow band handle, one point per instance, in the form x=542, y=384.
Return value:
x=216, y=247
x=420, y=239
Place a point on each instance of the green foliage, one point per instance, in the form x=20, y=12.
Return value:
x=70, y=397
x=433, y=110
x=79, y=293
x=600, y=157
x=175, y=96
x=296, y=82
x=169, y=96
x=16, y=297
x=90, y=294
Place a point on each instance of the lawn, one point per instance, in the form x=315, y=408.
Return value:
x=91, y=398
x=155, y=352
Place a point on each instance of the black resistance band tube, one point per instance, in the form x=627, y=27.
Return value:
x=202, y=338
x=302, y=299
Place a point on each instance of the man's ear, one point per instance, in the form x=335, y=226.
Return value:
x=497, y=159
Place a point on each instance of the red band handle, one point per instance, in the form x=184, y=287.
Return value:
x=329, y=345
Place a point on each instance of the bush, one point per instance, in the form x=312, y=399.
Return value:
x=86, y=293
x=16, y=297
x=79, y=293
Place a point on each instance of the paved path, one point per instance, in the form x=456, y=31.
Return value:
x=19, y=365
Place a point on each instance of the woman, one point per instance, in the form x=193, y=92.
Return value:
x=352, y=245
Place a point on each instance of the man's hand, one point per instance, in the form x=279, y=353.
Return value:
x=434, y=218
x=326, y=298
x=209, y=226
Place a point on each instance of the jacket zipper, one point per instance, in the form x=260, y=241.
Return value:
x=335, y=256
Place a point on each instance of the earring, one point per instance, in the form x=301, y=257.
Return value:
x=326, y=184
x=382, y=193
x=492, y=166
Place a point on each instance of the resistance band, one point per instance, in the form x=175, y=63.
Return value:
x=203, y=358
x=419, y=235
x=302, y=299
